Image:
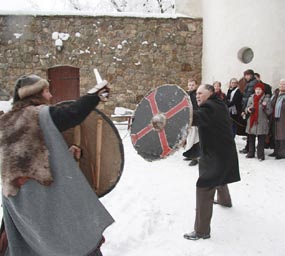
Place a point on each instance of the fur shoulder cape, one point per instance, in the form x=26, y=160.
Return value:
x=65, y=218
x=23, y=153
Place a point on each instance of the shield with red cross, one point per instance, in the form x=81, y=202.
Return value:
x=161, y=122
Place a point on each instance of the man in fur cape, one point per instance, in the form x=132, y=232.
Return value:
x=48, y=206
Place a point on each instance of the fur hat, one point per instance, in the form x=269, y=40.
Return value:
x=259, y=85
x=28, y=85
x=248, y=72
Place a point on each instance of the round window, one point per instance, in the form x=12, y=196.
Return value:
x=245, y=55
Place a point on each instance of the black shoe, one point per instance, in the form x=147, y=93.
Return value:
x=249, y=156
x=193, y=162
x=195, y=236
x=244, y=151
x=229, y=205
x=278, y=157
x=272, y=154
x=261, y=159
x=186, y=154
x=187, y=159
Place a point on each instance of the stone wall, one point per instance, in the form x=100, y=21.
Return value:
x=133, y=54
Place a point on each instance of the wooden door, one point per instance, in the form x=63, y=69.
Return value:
x=64, y=83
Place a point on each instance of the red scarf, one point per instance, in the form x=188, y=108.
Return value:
x=254, y=115
x=220, y=95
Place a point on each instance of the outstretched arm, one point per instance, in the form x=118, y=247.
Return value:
x=75, y=113
x=202, y=116
x=69, y=116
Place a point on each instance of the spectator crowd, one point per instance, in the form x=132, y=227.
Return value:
x=255, y=112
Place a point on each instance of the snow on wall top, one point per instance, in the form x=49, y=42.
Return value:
x=94, y=14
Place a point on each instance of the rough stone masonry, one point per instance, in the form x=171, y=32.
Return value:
x=134, y=54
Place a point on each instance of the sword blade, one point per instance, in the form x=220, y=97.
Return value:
x=97, y=75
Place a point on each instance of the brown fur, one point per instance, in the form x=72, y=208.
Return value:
x=32, y=89
x=22, y=149
x=34, y=100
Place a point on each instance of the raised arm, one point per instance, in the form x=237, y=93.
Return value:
x=69, y=116
x=75, y=113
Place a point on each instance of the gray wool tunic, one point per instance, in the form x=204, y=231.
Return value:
x=63, y=219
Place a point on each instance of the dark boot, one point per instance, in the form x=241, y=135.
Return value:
x=272, y=154
x=251, y=146
x=195, y=236
x=260, y=147
x=186, y=154
x=245, y=149
x=193, y=162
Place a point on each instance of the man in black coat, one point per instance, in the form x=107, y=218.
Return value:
x=218, y=164
x=192, y=145
x=267, y=87
x=234, y=102
x=249, y=87
x=248, y=91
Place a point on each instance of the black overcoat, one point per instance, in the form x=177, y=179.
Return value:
x=236, y=100
x=192, y=95
x=218, y=164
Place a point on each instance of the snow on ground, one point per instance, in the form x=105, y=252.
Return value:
x=154, y=205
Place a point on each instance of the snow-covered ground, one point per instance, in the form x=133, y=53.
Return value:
x=154, y=205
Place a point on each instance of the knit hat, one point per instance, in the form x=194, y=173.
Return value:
x=248, y=72
x=28, y=85
x=259, y=85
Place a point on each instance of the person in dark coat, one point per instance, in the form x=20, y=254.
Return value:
x=271, y=133
x=242, y=84
x=267, y=87
x=234, y=99
x=218, y=164
x=279, y=116
x=192, y=145
x=249, y=87
x=248, y=91
x=192, y=89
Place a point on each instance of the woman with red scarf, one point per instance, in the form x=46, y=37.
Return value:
x=258, y=108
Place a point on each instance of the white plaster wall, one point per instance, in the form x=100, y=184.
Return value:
x=229, y=25
x=191, y=8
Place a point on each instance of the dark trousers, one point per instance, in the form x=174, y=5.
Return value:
x=204, y=206
x=260, y=145
x=234, y=129
x=280, y=148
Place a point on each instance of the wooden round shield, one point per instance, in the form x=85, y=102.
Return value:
x=161, y=122
x=102, y=161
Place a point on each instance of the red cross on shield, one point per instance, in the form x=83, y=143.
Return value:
x=161, y=122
